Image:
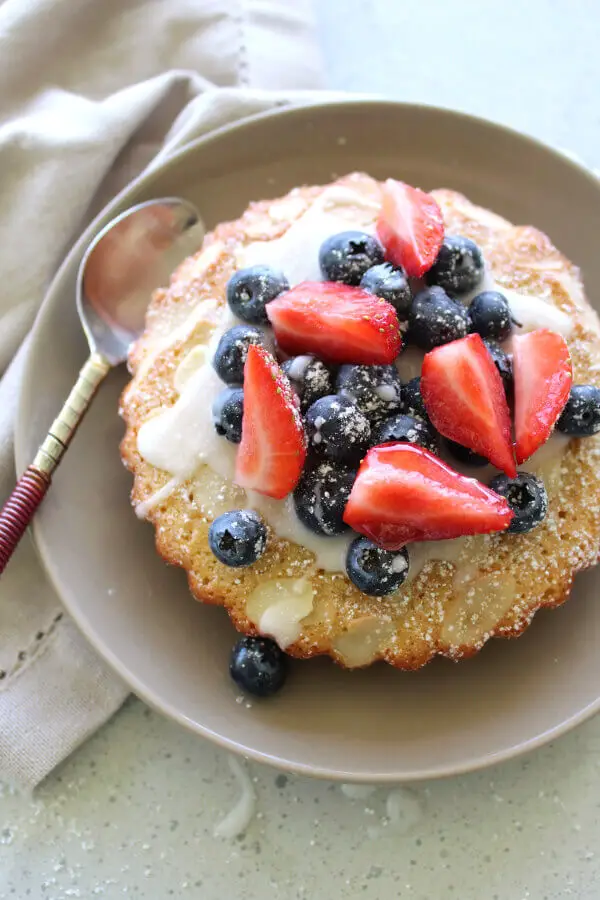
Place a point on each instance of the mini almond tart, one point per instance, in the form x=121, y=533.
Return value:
x=459, y=593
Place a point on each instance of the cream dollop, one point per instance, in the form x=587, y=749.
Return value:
x=296, y=252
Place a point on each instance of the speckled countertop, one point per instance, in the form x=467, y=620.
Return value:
x=133, y=812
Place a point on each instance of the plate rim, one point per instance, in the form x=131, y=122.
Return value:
x=352, y=104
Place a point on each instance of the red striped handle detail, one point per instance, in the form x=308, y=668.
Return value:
x=19, y=509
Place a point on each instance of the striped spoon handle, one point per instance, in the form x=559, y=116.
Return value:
x=32, y=486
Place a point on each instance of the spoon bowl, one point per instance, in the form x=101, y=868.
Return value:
x=127, y=260
x=132, y=255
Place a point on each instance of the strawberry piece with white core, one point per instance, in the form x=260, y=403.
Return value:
x=272, y=451
x=466, y=402
x=410, y=227
x=404, y=493
x=543, y=376
x=337, y=323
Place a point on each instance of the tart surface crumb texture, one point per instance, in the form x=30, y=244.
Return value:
x=484, y=586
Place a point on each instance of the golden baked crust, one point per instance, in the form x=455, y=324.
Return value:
x=497, y=582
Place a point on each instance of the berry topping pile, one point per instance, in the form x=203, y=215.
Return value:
x=327, y=420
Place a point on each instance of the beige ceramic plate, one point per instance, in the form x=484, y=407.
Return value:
x=375, y=725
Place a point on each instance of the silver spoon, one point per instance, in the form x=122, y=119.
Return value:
x=130, y=257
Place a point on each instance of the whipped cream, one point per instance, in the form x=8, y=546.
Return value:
x=296, y=253
x=278, y=607
x=531, y=313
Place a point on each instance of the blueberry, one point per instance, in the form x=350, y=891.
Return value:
x=238, y=538
x=337, y=429
x=321, y=495
x=435, y=319
x=375, y=571
x=310, y=379
x=464, y=455
x=503, y=364
x=458, y=267
x=376, y=390
x=526, y=496
x=581, y=415
x=407, y=430
x=232, y=351
x=249, y=291
x=490, y=315
x=412, y=399
x=390, y=283
x=227, y=412
x=258, y=666
x=347, y=256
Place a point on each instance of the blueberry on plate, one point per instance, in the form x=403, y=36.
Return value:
x=464, y=455
x=503, y=364
x=238, y=538
x=390, y=283
x=309, y=377
x=435, y=319
x=376, y=390
x=526, y=496
x=459, y=265
x=375, y=571
x=407, y=430
x=337, y=429
x=581, y=415
x=490, y=315
x=258, y=666
x=249, y=290
x=232, y=350
x=412, y=399
x=347, y=256
x=227, y=412
x=321, y=495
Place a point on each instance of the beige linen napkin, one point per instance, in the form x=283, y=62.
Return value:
x=90, y=92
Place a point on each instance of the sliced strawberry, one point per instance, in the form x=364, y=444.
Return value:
x=404, y=493
x=543, y=376
x=410, y=227
x=465, y=399
x=273, y=446
x=336, y=322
